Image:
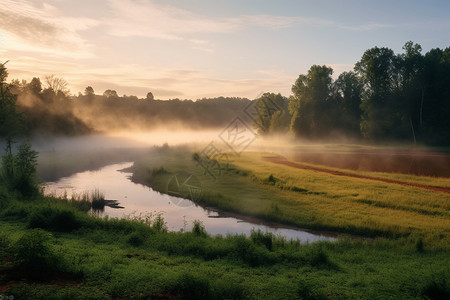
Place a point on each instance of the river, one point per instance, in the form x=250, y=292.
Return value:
x=136, y=200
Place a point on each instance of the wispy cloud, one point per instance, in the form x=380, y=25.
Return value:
x=145, y=18
x=148, y=19
x=42, y=28
x=364, y=27
x=278, y=22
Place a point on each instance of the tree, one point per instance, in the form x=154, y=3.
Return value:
x=411, y=90
x=89, y=91
x=110, y=94
x=349, y=87
x=150, y=96
x=312, y=104
x=18, y=171
x=48, y=95
x=18, y=86
x=35, y=86
x=377, y=69
x=57, y=84
x=279, y=123
x=10, y=120
x=266, y=107
x=435, y=104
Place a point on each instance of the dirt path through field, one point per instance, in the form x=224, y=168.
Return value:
x=283, y=161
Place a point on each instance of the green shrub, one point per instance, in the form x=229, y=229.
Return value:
x=260, y=238
x=307, y=292
x=159, y=224
x=189, y=286
x=229, y=287
x=317, y=257
x=18, y=171
x=198, y=229
x=4, y=246
x=56, y=219
x=135, y=239
x=34, y=252
x=249, y=253
x=419, y=245
x=437, y=287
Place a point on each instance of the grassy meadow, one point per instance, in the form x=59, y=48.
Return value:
x=53, y=248
x=313, y=200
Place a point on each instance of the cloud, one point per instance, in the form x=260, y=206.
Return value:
x=27, y=27
x=279, y=22
x=364, y=27
x=147, y=19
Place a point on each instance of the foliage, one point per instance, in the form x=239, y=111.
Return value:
x=19, y=170
x=311, y=106
x=271, y=111
x=10, y=119
x=52, y=218
x=34, y=252
x=199, y=229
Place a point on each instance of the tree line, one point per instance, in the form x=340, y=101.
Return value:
x=391, y=97
x=394, y=97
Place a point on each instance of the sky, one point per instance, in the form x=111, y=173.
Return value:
x=191, y=49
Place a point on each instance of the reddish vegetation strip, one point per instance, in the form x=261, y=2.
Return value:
x=283, y=161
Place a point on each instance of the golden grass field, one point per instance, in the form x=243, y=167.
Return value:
x=316, y=200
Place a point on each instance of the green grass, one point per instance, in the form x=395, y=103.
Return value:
x=312, y=199
x=86, y=257
x=102, y=260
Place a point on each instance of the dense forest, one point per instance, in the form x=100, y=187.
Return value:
x=387, y=97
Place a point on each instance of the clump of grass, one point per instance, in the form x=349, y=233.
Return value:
x=135, y=239
x=420, y=246
x=4, y=245
x=262, y=238
x=249, y=253
x=143, y=218
x=306, y=291
x=159, y=171
x=271, y=179
x=159, y=224
x=196, y=156
x=97, y=200
x=317, y=257
x=437, y=287
x=87, y=200
x=199, y=229
x=34, y=253
x=189, y=286
x=54, y=218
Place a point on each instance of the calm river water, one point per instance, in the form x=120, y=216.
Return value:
x=139, y=200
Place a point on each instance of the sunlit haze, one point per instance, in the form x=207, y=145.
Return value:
x=194, y=49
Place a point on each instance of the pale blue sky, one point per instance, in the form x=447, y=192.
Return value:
x=203, y=48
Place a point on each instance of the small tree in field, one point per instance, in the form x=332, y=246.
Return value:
x=19, y=170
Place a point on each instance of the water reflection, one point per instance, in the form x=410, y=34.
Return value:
x=139, y=201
